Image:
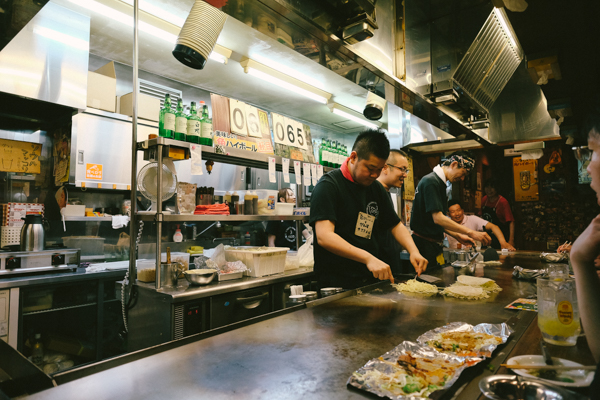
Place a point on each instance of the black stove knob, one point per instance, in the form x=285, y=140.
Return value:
x=13, y=262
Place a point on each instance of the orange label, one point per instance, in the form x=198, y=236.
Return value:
x=565, y=312
x=93, y=171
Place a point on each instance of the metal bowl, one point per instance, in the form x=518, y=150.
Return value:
x=200, y=276
x=509, y=387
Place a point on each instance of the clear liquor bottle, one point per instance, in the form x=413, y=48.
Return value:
x=194, y=125
x=166, y=119
x=180, y=122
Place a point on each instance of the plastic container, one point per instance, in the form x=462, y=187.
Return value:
x=284, y=208
x=89, y=245
x=266, y=201
x=260, y=261
x=292, y=261
x=248, y=205
x=302, y=211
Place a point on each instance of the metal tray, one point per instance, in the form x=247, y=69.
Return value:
x=230, y=276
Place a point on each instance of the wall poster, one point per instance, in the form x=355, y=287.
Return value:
x=526, y=179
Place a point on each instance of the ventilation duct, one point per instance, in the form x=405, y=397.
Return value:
x=490, y=62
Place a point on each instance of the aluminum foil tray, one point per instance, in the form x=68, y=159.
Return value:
x=529, y=274
x=554, y=257
x=500, y=330
x=375, y=376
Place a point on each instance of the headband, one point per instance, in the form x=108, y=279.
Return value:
x=463, y=162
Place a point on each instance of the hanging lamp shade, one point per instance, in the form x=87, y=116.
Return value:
x=199, y=34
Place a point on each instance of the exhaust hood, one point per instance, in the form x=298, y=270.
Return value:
x=46, y=61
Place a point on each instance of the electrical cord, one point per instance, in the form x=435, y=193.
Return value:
x=125, y=306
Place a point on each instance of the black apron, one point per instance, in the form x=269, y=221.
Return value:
x=489, y=214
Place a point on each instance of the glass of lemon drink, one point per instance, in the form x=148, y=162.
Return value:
x=558, y=314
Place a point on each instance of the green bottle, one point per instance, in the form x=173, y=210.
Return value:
x=166, y=119
x=207, y=130
x=329, y=153
x=180, y=122
x=321, y=152
x=194, y=125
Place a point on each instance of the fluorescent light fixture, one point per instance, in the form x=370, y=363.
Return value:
x=352, y=115
x=285, y=81
x=504, y=22
x=288, y=71
x=69, y=40
x=158, y=12
x=220, y=54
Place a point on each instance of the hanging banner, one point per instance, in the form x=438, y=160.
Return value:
x=525, y=179
x=20, y=156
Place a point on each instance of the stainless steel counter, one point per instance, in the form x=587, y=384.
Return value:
x=185, y=291
x=308, y=353
x=58, y=277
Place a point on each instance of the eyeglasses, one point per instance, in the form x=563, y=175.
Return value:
x=403, y=169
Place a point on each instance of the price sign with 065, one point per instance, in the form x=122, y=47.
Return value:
x=288, y=132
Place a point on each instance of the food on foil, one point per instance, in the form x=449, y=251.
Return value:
x=529, y=274
x=489, y=285
x=492, y=262
x=408, y=371
x=413, y=286
x=466, y=340
x=465, y=292
x=462, y=343
x=553, y=257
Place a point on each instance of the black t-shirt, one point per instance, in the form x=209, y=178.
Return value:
x=285, y=233
x=391, y=249
x=337, y=199
x=430, y=196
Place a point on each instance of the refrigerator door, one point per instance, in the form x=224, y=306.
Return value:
x=101, y=150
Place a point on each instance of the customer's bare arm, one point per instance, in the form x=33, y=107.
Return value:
x=585, y=250
x=271, y=239
x=498, y=232
x=440, y=219
x=331, y=241
x=511, y=228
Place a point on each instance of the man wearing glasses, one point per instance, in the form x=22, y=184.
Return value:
x=392, y=175
x=349, y=211
x=429, y=220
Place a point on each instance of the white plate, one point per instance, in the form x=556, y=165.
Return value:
x=582, y=378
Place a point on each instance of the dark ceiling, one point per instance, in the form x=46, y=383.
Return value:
x=571, y=30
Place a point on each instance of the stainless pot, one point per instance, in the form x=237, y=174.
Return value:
x=32, y=233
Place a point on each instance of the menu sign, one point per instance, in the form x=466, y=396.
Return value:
x=20, y=156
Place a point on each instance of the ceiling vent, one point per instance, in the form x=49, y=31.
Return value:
x=159, y=91
x=490, y=61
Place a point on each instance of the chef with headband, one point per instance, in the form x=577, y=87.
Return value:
x=429, y=219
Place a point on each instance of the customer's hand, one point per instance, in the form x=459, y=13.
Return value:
x=483, y=237
x=587, y=246
x=419, y=262
x=380, y=270
x=564, y=248
x=465, y=240
x=507, y=246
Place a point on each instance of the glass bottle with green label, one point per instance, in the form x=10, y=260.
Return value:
x=180, y=122
x=207, y=130
x=166, y=119
x=194, y=125
x=326, y=152
x=335, y=154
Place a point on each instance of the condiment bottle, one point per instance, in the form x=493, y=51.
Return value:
x=254, y=203
x=248, y=206
x=234, y=205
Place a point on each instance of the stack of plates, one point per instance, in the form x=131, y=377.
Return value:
x=202, y=28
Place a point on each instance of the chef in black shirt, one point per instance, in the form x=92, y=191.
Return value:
x=392, y=175
x=429, y=220
x=349, y=211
